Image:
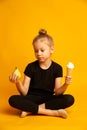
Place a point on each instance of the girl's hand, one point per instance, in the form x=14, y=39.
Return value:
x=14, y=78
x=68, y=80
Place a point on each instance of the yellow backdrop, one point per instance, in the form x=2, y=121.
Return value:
x=65, y=21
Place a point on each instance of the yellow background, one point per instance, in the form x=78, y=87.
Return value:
x=66, y=22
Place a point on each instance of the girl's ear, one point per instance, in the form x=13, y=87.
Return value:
x=52, y=49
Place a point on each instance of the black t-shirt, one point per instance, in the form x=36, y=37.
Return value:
x=42, y=79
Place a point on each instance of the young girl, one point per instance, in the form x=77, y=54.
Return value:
x=41, y=91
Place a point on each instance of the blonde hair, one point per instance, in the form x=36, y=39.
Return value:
x=42, y=35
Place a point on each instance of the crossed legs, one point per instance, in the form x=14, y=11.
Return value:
x=42, y=110
x=53, y=107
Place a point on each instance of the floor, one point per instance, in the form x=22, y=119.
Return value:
x=10, y=120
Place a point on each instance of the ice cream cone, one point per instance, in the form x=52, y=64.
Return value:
x=69, y=72
x=70, y=67
x=17, y=72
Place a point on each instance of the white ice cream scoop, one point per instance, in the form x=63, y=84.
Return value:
x=70, y=67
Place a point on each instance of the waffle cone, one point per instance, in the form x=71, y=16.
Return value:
x=69, y=71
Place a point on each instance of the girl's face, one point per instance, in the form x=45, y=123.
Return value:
x=42, y=50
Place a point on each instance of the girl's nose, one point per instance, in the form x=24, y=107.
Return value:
x=39, y=53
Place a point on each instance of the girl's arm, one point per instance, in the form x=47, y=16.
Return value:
x=22, y=87
x=59, y=88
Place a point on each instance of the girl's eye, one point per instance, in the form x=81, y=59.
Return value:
x=36, y=51
x=42, y=50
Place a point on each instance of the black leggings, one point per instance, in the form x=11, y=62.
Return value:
x=30, y=103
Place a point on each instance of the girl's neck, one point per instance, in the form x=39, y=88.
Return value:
x=46, y=64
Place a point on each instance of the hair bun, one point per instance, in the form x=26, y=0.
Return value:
x=42, y=32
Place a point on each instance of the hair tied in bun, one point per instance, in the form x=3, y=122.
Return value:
x=42, y=32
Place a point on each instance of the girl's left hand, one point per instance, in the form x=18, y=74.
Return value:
x=68, y=80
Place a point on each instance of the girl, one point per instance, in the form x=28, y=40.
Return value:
x=41, y=91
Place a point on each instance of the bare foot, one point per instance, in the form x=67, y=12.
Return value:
x=59, y=113
x=23, y=114
x=62, y=113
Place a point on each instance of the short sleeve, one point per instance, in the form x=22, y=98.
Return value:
x=28, y=70
x=58, y=70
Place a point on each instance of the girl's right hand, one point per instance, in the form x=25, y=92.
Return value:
x=13, y=78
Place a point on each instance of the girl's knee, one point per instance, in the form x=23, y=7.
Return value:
x=71, y=100
x=12, y=100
